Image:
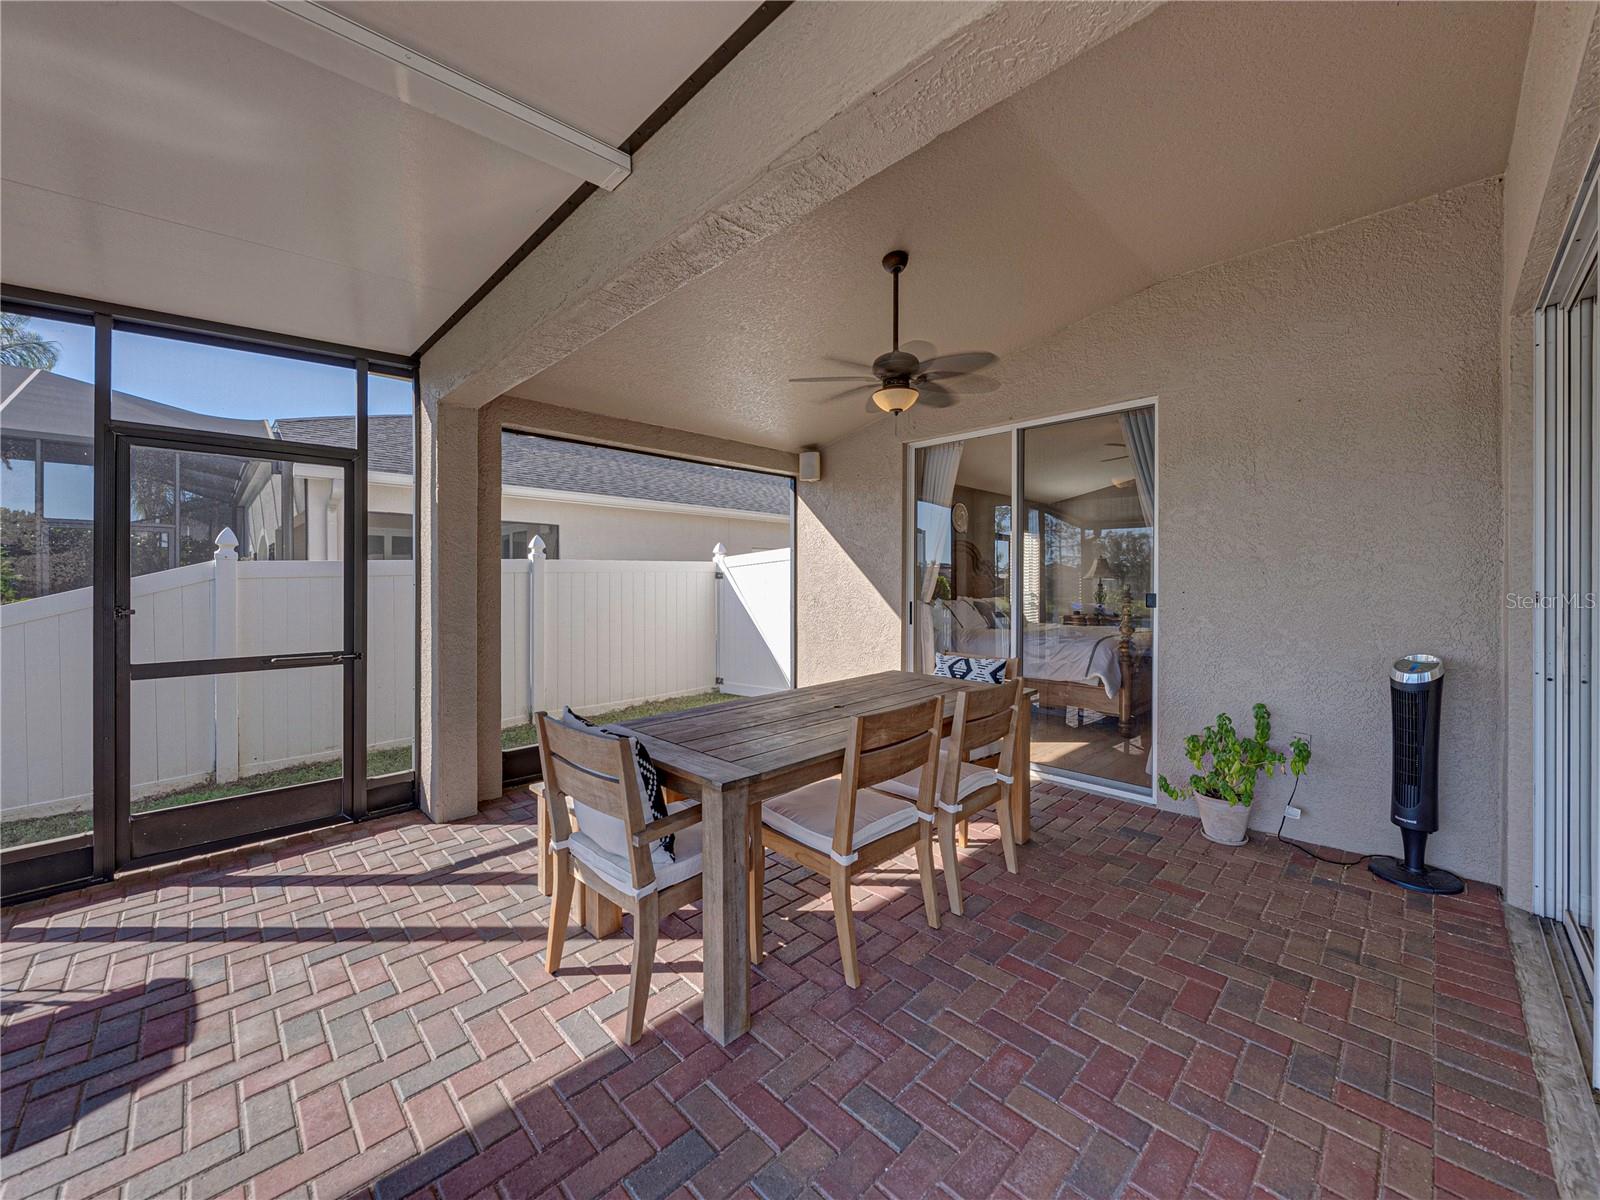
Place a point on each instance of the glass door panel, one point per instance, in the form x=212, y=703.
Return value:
x=232, y=755
x=264, y=537
x=1086, y=560
x=1582, y=832
x=236, y=647
x=962, y=554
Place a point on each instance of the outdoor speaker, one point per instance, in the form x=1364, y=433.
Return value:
x=1416, y=697
x=810, y=466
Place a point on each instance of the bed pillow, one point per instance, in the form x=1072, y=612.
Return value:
x=962, y=666
x=649, y=781
x=986, y=611
x=966, y=615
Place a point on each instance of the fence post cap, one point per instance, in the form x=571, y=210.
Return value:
x=227, y=543
x=719, y=551
x=535, y=547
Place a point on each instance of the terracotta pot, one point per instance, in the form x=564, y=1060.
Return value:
x=1222, y=822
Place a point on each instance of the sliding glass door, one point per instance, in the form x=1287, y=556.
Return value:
x=1566, y=721
x=1039, y=543
x=1086, y=561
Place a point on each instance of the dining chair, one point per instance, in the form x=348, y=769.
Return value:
x=840, y=827
x=974, y=773
x=613, y=848
x=986, y=756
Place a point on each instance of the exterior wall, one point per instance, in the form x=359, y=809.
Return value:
x=1329, y=466
x=621, y=532
x=1557, y=119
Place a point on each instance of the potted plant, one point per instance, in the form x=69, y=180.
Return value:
x=1224, y=788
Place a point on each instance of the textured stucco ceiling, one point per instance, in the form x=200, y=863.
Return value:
x=1202, y=133
x=156, y=158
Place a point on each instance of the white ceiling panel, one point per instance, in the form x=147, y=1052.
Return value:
x=155, y=158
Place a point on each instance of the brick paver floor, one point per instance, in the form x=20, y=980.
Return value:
x=1137, y=1013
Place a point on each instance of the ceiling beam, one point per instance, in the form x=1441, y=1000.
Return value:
x=349, y=49
x=551, y=420
x=827, y=96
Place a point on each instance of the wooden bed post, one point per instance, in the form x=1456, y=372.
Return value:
x=1130, y=667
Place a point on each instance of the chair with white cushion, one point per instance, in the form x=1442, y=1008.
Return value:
x=1001, y=671
x=984, y=728
x=612, y=848
x=840, y=827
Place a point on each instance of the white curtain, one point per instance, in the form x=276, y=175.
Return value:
x=1139, y=431
x=939, y=466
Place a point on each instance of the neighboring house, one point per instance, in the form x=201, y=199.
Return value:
x=585, y=501
x=47, y=484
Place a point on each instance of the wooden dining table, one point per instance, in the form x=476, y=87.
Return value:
x=735, y=755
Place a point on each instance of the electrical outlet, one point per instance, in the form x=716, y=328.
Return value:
x=1293, y=811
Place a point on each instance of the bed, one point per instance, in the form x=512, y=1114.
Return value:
x=1101, y=668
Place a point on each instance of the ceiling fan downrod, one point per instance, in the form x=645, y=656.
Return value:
x=894, y=262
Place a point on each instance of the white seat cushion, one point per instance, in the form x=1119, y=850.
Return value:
x=617, y=871
x=807, y=815
x=972, y=778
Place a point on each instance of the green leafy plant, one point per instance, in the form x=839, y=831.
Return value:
x=1236, y=762
x=21, y=346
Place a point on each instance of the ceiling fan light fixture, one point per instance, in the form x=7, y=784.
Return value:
x=895, y=397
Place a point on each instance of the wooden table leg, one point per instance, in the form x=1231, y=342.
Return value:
x=1022, y=779
x=726, y=911
x=600, y=917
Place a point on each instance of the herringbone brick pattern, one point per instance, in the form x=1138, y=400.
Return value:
x=1138, y=1013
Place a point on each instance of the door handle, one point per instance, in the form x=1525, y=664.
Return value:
x=122, y=614
x=318, y=660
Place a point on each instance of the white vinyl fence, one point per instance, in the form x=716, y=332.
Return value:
x=754, y=597
x=592, y=634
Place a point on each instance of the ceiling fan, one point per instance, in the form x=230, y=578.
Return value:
x=900, y=378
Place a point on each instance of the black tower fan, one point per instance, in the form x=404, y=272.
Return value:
x=1416, y=695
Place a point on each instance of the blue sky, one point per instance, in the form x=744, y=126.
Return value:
x=222, y=382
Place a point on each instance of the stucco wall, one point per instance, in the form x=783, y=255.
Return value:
x=1557, y=118
x=1329, y=459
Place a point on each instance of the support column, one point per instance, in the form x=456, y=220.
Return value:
x=488, y=576
x=447, y=618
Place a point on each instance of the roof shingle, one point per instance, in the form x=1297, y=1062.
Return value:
x=538, y=462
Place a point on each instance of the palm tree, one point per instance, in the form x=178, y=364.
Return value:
x=20, y=346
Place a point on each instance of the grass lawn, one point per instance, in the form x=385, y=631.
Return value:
x=527, y=735
x=38, y=829
x=28, y=830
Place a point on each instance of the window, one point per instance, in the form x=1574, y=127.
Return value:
x=389, y=536
x=515, y=537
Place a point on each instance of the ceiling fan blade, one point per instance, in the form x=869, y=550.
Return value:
x=848, y=392
x=832, y=378
x=1118, y=458
x=859, y=367
x=959, y=383
x=960, y=364
x=934, y=396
